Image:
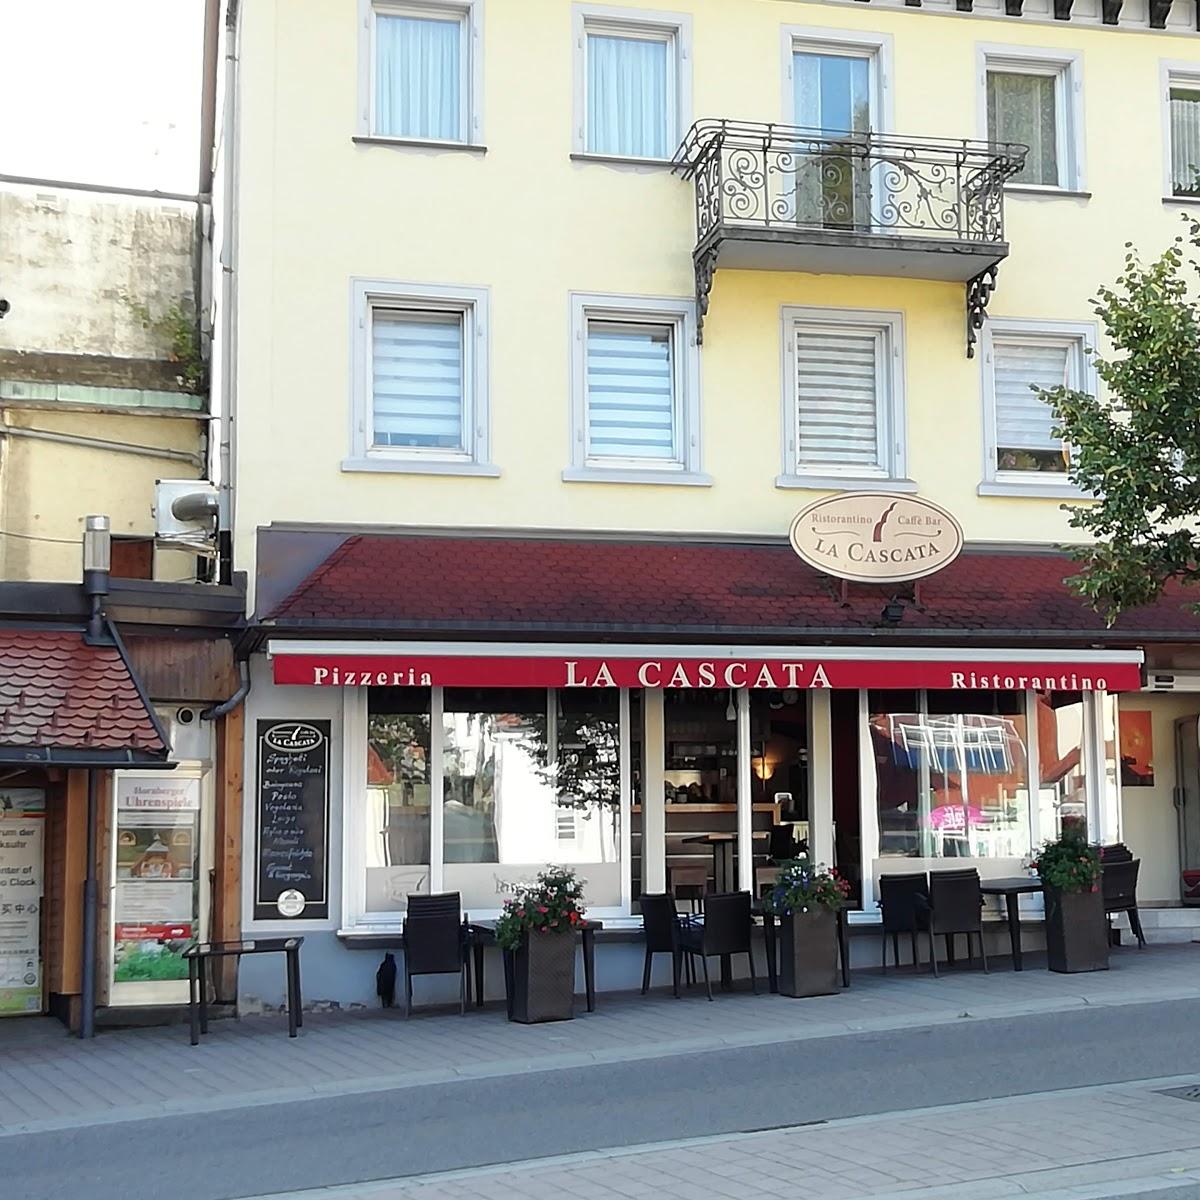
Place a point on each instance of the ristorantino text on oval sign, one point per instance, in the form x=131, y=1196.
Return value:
x=876, y=538
x=294, y=737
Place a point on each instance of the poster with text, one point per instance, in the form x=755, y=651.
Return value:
x=1137, y=749
x=22, y=825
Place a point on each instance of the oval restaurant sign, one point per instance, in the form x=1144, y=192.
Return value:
x=876, y=538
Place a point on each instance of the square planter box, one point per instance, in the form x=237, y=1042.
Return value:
x=808, y=949
x=1076, y=931
x=543, y=978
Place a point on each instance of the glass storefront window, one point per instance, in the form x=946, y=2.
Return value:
x=530, y=778
x=397, y=827
x=1062, y=794
x=952, y=777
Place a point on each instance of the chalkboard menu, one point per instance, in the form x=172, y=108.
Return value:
x=292, y=839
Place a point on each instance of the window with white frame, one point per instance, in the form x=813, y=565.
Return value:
x=422, y=70
x=632, y=82
x=1021, y=360
x=1183, y=133
x=420, y=386
x=1032, y=97
x=843, y=396
x=635, y=389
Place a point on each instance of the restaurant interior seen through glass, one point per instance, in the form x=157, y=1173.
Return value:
x=476, y=789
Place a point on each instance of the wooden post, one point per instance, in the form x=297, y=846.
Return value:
x=226, y=920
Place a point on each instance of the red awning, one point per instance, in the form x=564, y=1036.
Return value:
x=65, y=702
x=419, y=664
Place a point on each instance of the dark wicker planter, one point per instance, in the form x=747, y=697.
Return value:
x=1076, y=931
x=808, y=950
x=543, y=984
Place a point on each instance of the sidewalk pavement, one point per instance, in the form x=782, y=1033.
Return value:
x=49, y=1080
x=1121, y=1140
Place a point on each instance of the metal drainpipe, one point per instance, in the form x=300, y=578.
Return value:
x=227, y=706
x=87, y=998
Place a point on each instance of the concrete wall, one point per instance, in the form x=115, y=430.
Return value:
x=533, y=225
x=90, y=279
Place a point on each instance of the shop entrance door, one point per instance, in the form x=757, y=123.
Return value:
x=22, y=871
x=1187, y=804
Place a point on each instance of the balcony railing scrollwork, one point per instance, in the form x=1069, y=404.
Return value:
x=783, y=197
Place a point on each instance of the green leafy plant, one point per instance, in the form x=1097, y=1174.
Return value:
x=1069, y=864
x=179, y=329
x=802, y=887
x=1136, y=451
x=553, y=904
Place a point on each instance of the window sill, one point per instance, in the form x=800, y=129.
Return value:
x=623, y=475
x=409, y=466
x=623, y=160
x=1030, y=488
x=363, y=139
x=846, y=483
x=1033, y=191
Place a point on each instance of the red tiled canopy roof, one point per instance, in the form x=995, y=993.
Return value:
x=435, y=583
x=63, y=700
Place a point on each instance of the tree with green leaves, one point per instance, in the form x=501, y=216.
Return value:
x=1136, y=449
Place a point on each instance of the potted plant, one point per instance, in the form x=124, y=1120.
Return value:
x=805, y=901
x=1076, y=929
x=537, y=928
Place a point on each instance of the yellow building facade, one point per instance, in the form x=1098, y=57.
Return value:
x=552, y=272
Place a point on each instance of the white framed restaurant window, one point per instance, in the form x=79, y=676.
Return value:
x=635, y=391
x=843, y=399
x=1180, y=98
x=1021, y=455
x=419, y=379
x=421, y=71
x=633, y=82
x=473, y=790
x=1034, y=97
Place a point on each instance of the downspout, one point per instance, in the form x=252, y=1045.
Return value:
x=230, y=138
x=87, y=982
x=227, y=706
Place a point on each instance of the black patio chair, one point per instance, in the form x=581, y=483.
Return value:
x=435, y=943
x=725, y=929
x=660, y=920
x=1117, y=852
x=904, y=906
x=1118, y=884
x=955, y=906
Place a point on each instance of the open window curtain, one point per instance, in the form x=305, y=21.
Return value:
x=630, y=392
x=1024, y=421
x=627, y=103
x=1023, y=108
x=417, y=383
x=837, y=399
x=1185, y=142
x=418, y=84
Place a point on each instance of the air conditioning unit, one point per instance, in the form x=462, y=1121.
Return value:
x=1172, y=681
x=185, y=512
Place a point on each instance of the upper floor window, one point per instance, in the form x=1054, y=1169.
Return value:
x=635, y=390
x=420, y=379
x=423, y=70
x=1021, y=359
x=1032, y=97
x=1183, y=133
x=632, y=82
x=843, y=420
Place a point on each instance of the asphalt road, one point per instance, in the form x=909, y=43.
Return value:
x=255, y=1150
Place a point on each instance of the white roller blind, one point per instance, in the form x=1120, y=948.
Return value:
x=1023, y=420
x=417, y=379
x=1185, y=141
x=838, y=398
x=631, y=410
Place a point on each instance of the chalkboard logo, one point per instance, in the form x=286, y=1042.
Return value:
x=290, y=903
x=293, y=738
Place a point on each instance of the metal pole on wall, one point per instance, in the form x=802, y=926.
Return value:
x=87, y=999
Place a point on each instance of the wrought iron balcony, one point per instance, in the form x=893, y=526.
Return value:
x=778, y=197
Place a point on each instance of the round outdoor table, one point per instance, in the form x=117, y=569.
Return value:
x=1012, y=890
